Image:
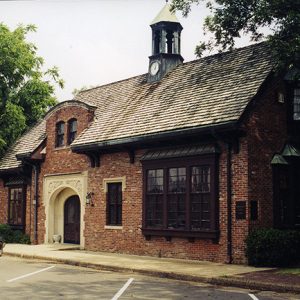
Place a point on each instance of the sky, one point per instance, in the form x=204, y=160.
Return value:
x=94, y=42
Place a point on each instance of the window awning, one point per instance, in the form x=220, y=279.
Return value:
x=290, y=150
x=180, y=152
x=279, y=160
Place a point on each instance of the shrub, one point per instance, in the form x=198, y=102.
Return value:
x=6, y=233
x=273, y=247
x=13, y=236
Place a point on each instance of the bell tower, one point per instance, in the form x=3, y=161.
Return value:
x=166, y=31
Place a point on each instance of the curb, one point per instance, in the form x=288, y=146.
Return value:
x=255, y=285
x=219, y=281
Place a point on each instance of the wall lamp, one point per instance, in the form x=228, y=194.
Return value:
x=89, y=199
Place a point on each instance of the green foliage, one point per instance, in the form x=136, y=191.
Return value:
x=273, y=247
x=26, y=92
x=11, y=236
x=290, y=271
x=230, y=19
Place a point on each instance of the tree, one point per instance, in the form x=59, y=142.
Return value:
x=231, y=18
x=26, y=92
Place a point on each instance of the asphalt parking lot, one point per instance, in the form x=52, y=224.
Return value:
x=29, y=279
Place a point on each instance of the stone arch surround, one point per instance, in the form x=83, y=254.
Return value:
x=57, y=189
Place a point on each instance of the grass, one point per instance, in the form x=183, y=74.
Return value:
x=289, y=271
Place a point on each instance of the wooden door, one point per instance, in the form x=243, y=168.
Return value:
x=72, y=220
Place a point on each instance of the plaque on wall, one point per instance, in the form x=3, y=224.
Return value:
x=240, y=210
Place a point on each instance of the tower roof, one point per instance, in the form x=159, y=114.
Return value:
x=165, y=15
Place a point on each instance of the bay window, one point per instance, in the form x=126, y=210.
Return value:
x=180, y=197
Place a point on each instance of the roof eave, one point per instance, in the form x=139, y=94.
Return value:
x=11, y=171
x=144, y=139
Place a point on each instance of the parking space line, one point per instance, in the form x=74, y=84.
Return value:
x=253, y=297
x=30, y=274
x=122, y=290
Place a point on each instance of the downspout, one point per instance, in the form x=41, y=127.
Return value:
x=229, y=202
x=36, y=198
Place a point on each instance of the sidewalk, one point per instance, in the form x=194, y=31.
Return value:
x=189, y=270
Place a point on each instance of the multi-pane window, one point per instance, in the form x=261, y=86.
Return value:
x=16, y=206
x=200, y=197
x=176, y=198
x=60, y=133
x=155, y=190
x=114, y=204
x=72, y=130
x=179, y=199
x=297, y=104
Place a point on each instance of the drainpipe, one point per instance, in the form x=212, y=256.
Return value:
x=229, y=202
x=35, y=198
x=35, y=201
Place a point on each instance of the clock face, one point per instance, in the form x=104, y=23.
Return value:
x=154, y=68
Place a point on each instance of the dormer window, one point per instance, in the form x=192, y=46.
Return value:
x=296, y=104
x=72, y=130
x=60, y=133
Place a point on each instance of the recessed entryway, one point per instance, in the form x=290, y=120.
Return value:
x=72, y=220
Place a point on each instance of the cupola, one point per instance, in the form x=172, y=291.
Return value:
x=166, y=31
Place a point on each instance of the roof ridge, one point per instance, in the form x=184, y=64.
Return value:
x=185, y=63
x=225, y=53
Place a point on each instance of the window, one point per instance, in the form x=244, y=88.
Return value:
x=297, y=104
x=180, y=198
x=154, y=203
x=114, y=204
x=60, y=133
x=286, y=195
x=72, y=130
x=253, y=210
x=176, y=198
x=16, y=207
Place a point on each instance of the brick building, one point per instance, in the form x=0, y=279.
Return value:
x=180, y=162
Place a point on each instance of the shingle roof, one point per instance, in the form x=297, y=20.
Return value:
x=205, y=92
x=27, y=143
x=208, y=91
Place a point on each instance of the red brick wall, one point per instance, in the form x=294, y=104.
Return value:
x=267, y=134
x=130, y=238
x=265, y=128
x=240, y=186
x=61, y=160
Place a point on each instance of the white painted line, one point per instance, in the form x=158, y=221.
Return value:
x=30, y=274
x=122, y=290
x=253, y=297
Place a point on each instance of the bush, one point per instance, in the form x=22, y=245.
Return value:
x=13, y=236
x=273, y=247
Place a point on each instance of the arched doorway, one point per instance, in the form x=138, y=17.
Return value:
x=72, y=220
